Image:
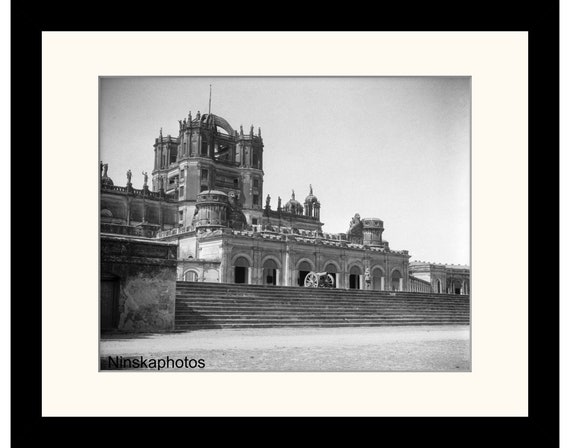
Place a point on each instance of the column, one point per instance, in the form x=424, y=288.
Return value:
x=382, y=283
x=128, y=211
x=401, y=285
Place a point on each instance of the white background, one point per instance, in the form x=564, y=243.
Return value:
x=4, y=229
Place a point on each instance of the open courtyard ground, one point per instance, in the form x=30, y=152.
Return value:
x=350, y=349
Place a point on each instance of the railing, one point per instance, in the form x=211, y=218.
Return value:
x=141, y=192
x=120, y=229
x=174, y=231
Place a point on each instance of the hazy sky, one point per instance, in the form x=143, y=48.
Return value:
x=397, y=149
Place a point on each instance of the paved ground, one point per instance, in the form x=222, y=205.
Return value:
x=425, y=348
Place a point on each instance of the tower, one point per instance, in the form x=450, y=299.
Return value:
x=209, y=154
x=312, y=205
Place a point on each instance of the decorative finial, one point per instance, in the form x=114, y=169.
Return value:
x=145, y=174
x=105, y=168
x=189, y=116
x=278, y=202
x=240, y=129
x=129, y=175
x=101, y=167
x=259, y=132
x=292, y=194
x=251, y=130
x=310, y=189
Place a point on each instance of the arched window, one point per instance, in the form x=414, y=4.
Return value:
x=190, y=276
x=377, y=276
x=270, y=272
x=332, y=270
x=396, y=282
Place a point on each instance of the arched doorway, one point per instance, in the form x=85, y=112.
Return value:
x=241, y=270
x=331, y=269
x=377, y=279
x=396, y=281
x=354, y=277
x=190, y=276
x=438, y=286
x=270, y=272
x=456, y=287
x=304, y=268
x=110, y=288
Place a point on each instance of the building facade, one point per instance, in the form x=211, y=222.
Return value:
x=206, y=198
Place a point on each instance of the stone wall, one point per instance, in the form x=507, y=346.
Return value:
x=145, y=271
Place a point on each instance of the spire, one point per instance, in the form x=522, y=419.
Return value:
x=189, y=116
x=310, y=189
x=259, y=132
x=160, y=134
x=292, y=194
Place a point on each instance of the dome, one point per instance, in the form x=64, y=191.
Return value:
x=212, y=119
x=107, y=181
x=212, y=196
x=311, y=199
x=293, y=206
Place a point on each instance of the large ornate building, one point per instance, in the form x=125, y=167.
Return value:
x=206, y=204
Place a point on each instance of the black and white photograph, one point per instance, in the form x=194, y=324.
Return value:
x=285, y=224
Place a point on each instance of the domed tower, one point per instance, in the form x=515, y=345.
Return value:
x=312, y=205
x=209, y=154
x=293, y=206
x=372, y=229
x=212, y=210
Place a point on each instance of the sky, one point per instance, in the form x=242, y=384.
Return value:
x=394, y=148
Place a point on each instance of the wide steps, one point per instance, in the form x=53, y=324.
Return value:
x=203, y=306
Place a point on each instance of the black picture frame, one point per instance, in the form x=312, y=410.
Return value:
x=541, y=21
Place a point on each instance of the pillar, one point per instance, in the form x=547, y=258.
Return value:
x=401, y=285
x=382, y=283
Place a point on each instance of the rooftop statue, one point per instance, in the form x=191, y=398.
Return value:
x=129, y=175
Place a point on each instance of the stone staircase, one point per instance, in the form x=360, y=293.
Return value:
x=219, y=305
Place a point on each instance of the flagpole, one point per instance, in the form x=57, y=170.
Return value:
x=210, y=102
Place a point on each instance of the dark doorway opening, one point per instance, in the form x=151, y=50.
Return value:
x=241, y=266
x=354, y=278
x=241, y=274
x=109, y=302
x=304, y=269
x=354, y=281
